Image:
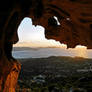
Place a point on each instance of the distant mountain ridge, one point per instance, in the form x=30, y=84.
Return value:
x=23, y=48
x=39, y=52
x=30, y=48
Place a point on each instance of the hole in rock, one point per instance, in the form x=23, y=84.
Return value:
x=58, y=23
x=43, y=62
x=33, y=44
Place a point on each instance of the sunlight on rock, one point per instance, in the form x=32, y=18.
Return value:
x=57, y=20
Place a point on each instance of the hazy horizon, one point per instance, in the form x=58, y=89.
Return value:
x=39, y=52
x=34, y=37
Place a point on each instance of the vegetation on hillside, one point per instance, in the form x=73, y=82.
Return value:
x=55, y=74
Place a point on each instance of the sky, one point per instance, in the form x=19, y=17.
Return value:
x=28, y=32
x=33, y=36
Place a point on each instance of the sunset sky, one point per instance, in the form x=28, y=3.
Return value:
x=33, y=36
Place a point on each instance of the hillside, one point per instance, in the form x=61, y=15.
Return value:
x=56, y=65
x=62, y=73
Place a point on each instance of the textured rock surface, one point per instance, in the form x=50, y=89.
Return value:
x=9, y=76
x=75, y=17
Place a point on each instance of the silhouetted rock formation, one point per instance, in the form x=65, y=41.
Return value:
x=75, y=17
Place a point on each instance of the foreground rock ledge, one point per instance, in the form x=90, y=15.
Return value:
x=8, y=75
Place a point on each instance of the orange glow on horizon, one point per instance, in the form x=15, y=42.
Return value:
x=81, y=51
x=81, y=47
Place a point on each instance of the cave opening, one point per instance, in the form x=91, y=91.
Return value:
x=32, y=37
x=41, y=58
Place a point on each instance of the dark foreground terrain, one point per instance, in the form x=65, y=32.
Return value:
x=55, y=74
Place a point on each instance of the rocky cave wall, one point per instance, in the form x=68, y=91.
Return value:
x=74, y=16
